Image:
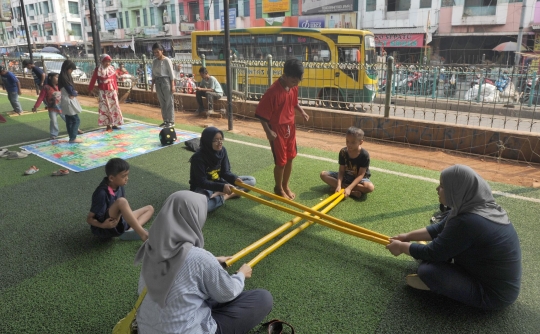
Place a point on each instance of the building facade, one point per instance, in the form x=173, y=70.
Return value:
x=414, y=31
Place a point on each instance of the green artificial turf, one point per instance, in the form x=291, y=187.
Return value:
x=57, y=278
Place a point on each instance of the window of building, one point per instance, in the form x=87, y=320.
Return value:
x=77, y=29
x=294, y=8
x=216, y=11
x=120, y=20
x=145, y=19
x=234, y=4
x=127, y=19
x=479, y=7
x=181, y=9
x=193, y=11
x=447, y=3
x=152, y=16
x=45, y=8
x=425, y=3
x=398, y=5
x=73, y=8
x=247, y=9
x=371, y=5
x=138, y=18
x=172, y=14
x=258, y=9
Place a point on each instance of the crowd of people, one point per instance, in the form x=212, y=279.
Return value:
x=472, y=255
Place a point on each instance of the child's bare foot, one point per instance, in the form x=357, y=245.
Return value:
x=290, y=193
x=233, y=195
x=281, y=192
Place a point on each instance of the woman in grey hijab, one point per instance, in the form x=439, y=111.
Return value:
x=188, y=289
x=474, y=255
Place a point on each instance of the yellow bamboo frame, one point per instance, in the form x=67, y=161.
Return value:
x=275, y=233
x=354, y=232
x=293, y=233
x=334, y=220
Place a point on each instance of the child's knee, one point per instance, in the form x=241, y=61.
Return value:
x=149, y=209
x=323, y=175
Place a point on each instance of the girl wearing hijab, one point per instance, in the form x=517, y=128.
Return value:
x=210, y=172
x=188, y=291
x=109, y=107
x=474, y=255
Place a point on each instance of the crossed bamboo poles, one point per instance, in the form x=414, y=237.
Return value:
x=312, y=215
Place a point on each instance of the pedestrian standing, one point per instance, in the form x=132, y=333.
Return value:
x=163, y=79
x=110, y=114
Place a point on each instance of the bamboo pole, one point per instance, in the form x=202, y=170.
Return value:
x=383, y=241
x=334, y=220
x=291, y=234
x=275, y=233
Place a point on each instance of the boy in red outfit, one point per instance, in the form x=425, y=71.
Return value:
x=276, y=111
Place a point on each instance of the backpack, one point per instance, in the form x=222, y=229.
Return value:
x=193, y=144
x=167, y=136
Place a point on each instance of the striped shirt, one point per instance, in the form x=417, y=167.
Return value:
x=200, y=278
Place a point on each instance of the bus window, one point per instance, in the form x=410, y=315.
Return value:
x=349, y=54
x=369, y=50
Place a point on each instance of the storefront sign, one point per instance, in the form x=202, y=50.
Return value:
x=151, y=31
x=315, y=22
x=275, y=6
x=400, y=40
x=327, y=6
x=187, y=27
x=232, y=18
x=111, y=24
x=274, y=21
x=47, y=25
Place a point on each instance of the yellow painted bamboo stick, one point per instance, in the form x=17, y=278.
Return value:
x=291, y=234
x=382, y=241
x=275, y=233
x=334, y=220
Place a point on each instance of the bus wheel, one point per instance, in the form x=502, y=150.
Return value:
x=328, y=96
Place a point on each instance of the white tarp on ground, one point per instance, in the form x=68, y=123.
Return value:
x=488, y=93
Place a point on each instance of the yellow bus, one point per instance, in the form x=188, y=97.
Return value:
x=339, y=63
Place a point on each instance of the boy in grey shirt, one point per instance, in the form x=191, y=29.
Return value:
x=209, y=88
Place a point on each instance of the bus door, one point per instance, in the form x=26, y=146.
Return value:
x=349, y=59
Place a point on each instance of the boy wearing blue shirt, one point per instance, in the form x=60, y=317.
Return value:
x=12, y=86
x=110, y=214
x=37, y=73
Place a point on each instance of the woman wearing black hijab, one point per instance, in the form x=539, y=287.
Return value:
x=210, y=172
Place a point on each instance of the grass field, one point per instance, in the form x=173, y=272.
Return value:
x=56, y=278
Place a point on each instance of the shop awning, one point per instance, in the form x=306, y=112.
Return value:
x=401, y=30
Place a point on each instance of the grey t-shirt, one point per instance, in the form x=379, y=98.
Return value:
x=213, y=84
x=162, y=68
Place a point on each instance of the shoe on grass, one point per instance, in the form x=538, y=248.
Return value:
x=16, y=155
x=76, y=141
x=3, y=151
x=60, y=172
x=415, y=282
x=31, y=170
x=115, y=127
x=79, y=131
x=169, y=125
x=163, y=125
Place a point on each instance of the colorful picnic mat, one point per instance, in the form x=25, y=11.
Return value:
x=99, y=146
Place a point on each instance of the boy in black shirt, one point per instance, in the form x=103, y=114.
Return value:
x=353, y=167
x=110, y=214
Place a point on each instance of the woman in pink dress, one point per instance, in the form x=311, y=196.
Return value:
x=109, y=107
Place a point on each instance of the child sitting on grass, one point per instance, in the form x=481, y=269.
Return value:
x=110, y=214
x=353, y=167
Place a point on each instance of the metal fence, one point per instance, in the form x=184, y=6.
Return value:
x=485, y=96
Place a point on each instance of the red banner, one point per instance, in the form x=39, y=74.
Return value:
x=400, y=40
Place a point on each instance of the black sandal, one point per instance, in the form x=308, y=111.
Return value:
x=275, y=326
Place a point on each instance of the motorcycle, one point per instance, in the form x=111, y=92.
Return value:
x=526, y=91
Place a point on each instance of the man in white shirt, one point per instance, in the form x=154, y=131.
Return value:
x=209, y=88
